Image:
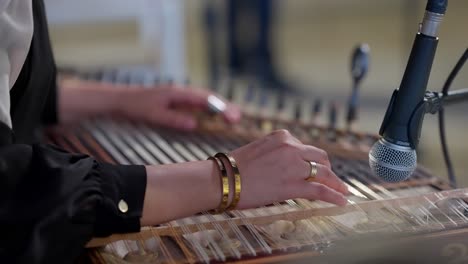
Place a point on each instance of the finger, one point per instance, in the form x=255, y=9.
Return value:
x=327, y=177
x=175, y=120
x=311, y=153
x=317, y=191
x=232, y=113
x=190, y=97
x=199, y=99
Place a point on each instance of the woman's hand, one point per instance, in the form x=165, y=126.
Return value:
x=169, y=105
x=172, y=106
x=274, y=168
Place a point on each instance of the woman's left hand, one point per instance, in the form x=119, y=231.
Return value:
x=172, y=106
x=166, y=105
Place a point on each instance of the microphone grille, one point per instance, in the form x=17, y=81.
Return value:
x=391, y=162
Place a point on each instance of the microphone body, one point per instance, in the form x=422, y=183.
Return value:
x=402, y=122
x=393, y=158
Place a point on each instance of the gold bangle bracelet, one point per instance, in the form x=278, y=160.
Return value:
x=224, y=185
x=237, y=179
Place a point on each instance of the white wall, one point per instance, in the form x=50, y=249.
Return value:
x=63, y=12
x=104, y=32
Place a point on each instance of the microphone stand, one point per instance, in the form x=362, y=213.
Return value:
x=435, y=101
x=432, y=103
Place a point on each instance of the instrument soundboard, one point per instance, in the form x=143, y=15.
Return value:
x=422, y=210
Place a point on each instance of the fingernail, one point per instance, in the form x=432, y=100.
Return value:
x=344, y=201
x=345, y=189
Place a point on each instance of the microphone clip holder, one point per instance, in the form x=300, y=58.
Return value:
x=431, y=104
x=434, y=101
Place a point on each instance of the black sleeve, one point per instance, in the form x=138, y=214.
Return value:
x=53, y=202
x=50, y=113
x=34, y=96
x=44, y=51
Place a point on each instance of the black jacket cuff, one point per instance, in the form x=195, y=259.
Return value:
x=123, y=188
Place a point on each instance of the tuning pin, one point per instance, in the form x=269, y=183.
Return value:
x=170, y=81
x=298, y=110
x=266, y=124
x=148, y=79
x=280, y=103
x=217, y=85
x=250, y=94
x=66, y=70
x=230, y=91
x=333, y=116
x=122, y=77
x=316, y=110
x=108, y=76
x=263, y=100
x=85, y=75
x=137, y=78
x=96, y=75
x=156, y=80
x=332, y=121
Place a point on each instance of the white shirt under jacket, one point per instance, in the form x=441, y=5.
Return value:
x=16, y=29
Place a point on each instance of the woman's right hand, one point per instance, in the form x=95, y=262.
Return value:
x=274, y=168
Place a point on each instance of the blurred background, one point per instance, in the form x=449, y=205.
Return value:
x=297, y=46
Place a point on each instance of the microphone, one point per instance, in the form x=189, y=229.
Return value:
x=393, y=158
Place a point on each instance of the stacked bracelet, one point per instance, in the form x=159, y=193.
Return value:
x=224, y=185
x=237, y=179
x=225, y=182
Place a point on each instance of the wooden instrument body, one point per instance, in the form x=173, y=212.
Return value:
x=412, y=236
x=350, y=163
